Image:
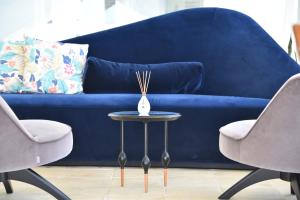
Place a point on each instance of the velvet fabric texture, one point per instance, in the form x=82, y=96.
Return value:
x=244, y=68
x=193, y=139
x=239, y=57
x=103, y=76
x=27, y=144
x=272, y=142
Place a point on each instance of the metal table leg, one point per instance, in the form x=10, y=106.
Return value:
x=146, y=161
x=165, y=158
x=122, y=156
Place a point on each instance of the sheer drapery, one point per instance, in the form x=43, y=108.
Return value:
x=61, y=19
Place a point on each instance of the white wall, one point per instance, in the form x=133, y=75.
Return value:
x=69, y=18
x=275, y=16
x=77, y=17
x=17, y=15
x=148, y=8
x=298, y=11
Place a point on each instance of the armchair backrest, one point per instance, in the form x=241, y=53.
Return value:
x=14, y=140
x=9, y=122
x=239, y=57
x=275, y=136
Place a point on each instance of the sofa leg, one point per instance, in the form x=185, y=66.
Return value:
x=295, y=183
x=256, y=176
x=7, y=186
x=31, y=177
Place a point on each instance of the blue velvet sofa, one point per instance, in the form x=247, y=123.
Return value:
x=243, y=67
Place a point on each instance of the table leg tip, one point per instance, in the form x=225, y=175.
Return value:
x=122, y=177
x=146, y=183
x=165, y=177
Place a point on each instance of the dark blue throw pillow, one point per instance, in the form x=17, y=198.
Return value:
x=103, y=76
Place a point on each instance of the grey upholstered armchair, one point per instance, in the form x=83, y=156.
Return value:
x=271, y=143
x=30, y=143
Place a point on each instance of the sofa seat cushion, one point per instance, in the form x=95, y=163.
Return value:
x=237, y=130
x=231, y=138
x=43, y=131
x=96, y=137
x=117, y=102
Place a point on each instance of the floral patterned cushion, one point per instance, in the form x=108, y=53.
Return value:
x=11, y=66
x=53, y=67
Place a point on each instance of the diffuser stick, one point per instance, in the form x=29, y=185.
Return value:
x=137, y=76
x=148, y=81
x=144, y=80
x=139, y=80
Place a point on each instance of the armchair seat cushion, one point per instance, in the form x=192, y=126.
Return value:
x=231, y=137
x=50, y=141
x=237, y=130
x=43, y=131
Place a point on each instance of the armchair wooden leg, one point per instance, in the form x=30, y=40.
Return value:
x=295, y=183
x=31, y=177
x=256, y=176
x=292, y=191
x=7, y=186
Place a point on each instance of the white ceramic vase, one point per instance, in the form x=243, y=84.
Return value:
x=144, y=106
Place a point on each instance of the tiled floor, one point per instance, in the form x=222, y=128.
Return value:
x=102, y=183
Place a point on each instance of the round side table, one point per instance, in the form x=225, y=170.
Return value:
x=154, y=116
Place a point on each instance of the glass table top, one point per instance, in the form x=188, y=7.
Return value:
x=153, y=116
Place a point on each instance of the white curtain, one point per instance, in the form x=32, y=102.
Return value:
x=61, y=19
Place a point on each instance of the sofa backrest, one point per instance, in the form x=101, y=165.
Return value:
x=239, y=57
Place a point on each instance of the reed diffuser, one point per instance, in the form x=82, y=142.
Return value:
x=143, y=80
